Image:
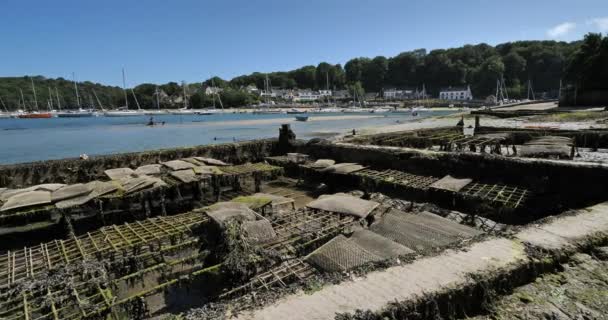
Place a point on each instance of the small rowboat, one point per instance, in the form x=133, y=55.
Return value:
x=302, y=118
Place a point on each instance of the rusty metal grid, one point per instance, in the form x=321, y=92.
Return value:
x=507, y=196
x=398, y=178
x=111, y=240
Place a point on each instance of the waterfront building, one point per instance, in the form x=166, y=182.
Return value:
x=456, y=93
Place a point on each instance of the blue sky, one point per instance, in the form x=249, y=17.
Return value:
x=159, y=41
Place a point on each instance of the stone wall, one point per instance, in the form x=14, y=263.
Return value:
x=75, y=170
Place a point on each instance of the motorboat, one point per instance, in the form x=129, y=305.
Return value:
x=80, y=113
x=302, y=118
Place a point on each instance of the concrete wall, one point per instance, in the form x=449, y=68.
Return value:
x=557, y=183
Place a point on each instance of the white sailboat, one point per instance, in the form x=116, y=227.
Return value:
x=184, y=110
x=4, y=114
x=157, y=111
x=124, y=111
x=78, y=113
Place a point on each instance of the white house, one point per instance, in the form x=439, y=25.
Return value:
x=394, y=94
x=213, y=90
x=307, y=96
x=456, y=93
x=325, y=93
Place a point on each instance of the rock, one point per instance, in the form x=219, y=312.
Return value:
x=70, y=191
x=178, y=165
x=602, y=253
x=27, y=199
x=118, y=173
x=150, y=169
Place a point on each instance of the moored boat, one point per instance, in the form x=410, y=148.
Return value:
x=35, y=115
x=295, y=111
x=123, y=113
x=80, y=113
x=302, y=118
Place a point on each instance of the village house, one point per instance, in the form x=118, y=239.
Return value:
x=304, y=96
x=213, y=90
x=397, y=94
x=456, y=93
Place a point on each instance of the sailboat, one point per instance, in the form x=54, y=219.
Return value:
x=124, y=111
x=184, y=110
x=213, y=111
x=79, y=113
x=4, y=114
x=35, y=114
x=157, y=111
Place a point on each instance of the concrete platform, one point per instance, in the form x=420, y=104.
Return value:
x=562, y=235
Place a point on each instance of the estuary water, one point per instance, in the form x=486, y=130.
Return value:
x=27, y=140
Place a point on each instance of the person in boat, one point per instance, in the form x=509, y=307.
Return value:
x=151, y=122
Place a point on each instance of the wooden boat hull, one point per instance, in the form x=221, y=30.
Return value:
x=35, y=116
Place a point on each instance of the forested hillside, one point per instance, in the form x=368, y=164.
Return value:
x=544, y=63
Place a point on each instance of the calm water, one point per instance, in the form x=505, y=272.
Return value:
x=25, y=140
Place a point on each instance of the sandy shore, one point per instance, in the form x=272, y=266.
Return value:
x=284, y=120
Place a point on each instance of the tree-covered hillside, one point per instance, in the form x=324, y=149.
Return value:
x=541, y=62
x=544, y=63
x=51, y=88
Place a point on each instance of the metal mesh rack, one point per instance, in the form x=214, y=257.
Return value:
x=280, y=275
x=251, y=168
x=399, y=178
x=111, y=240
x=507, y=196
x=76, y=300
x=303, y=227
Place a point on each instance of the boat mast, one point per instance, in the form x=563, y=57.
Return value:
x=135, y=97
x=327, y=85
x=530, y=90
x=58, y=102
x=50, y=98
x=124, y=88
x=76, y=90
x=157, y=93
x=34, y=90
x=98, y=102
x=185, y=98
x=22, y=99
x=3, y=105
x=213, y=93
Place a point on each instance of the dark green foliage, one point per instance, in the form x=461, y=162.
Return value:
x=588, y=67
x=542, y=62
x=242, y=259
x=9, y=92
